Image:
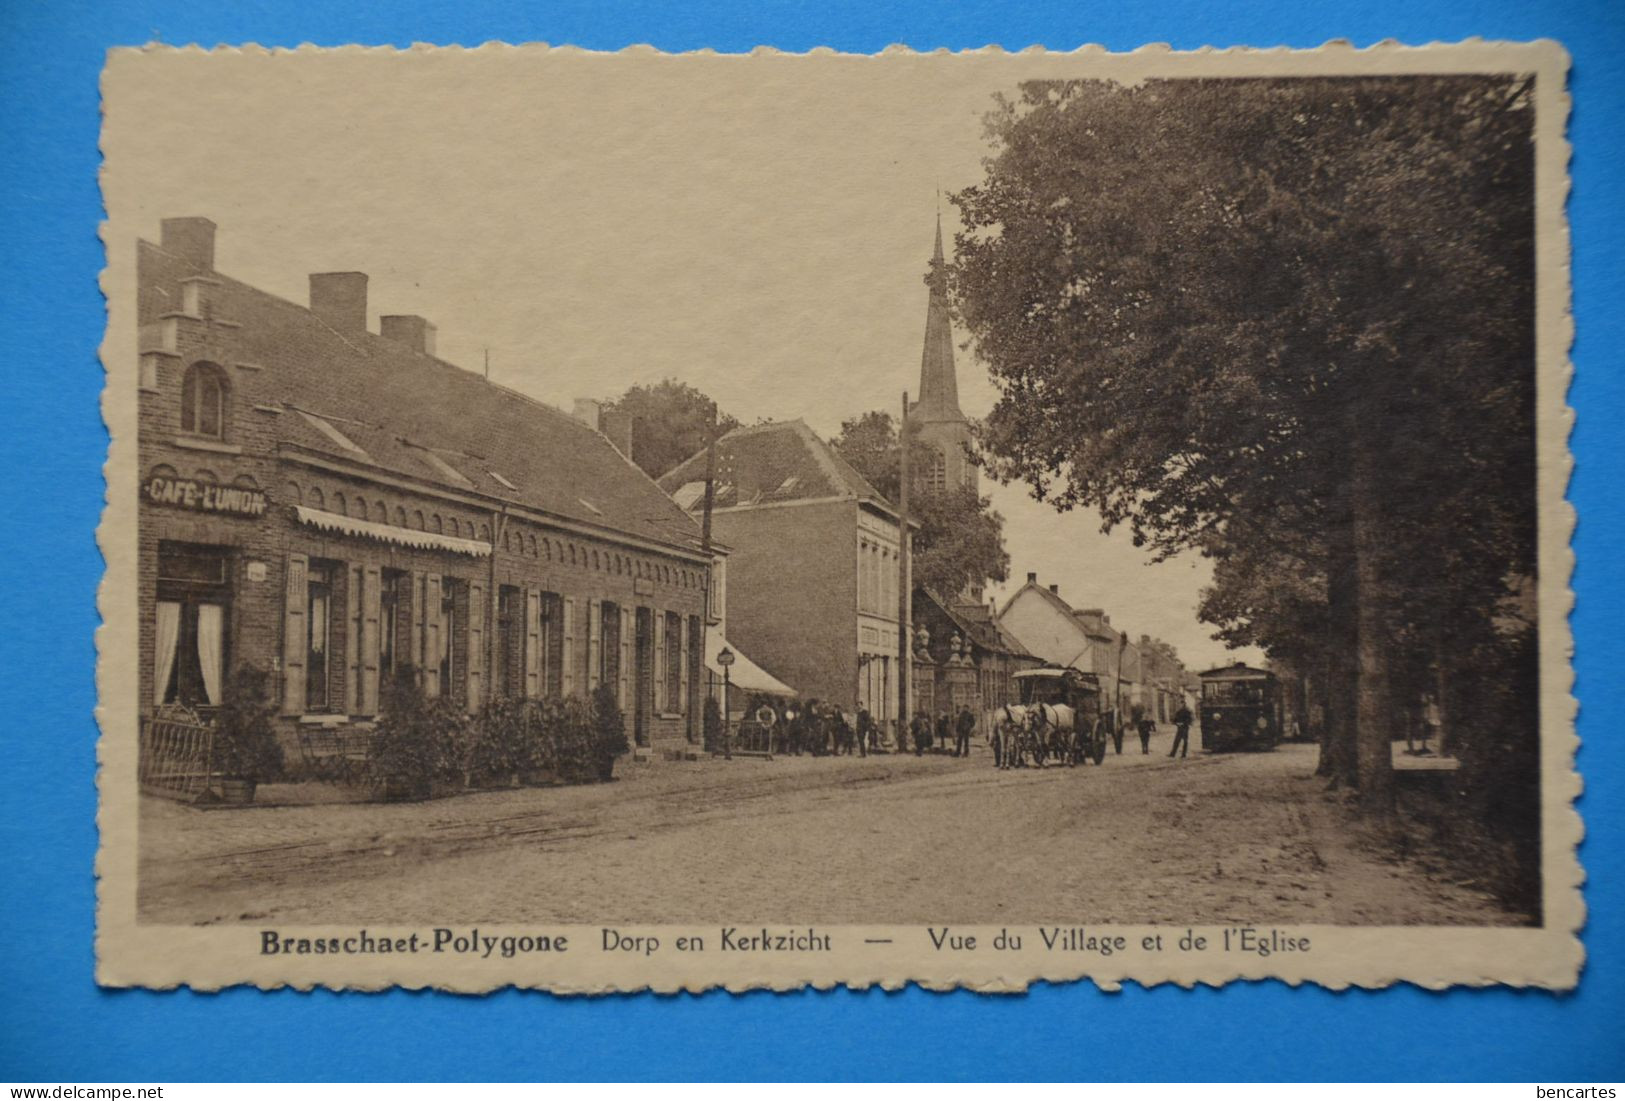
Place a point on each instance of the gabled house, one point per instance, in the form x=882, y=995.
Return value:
x=812, y=581
x=1085, y=640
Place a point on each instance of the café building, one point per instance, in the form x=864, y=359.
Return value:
x=338, y=507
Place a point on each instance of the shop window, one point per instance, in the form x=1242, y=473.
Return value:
x=319, y=591
x=674, y=660
x=191, y=636
x=203, y=401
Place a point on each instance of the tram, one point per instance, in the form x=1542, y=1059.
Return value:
x=1241, y=709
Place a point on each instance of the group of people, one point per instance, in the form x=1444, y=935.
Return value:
x=1145, y=726
x=823, y=729
x=819, y=729
x=927, y=735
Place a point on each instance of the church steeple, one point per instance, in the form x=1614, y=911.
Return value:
x=939, y=387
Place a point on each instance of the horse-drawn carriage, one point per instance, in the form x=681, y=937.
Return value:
x=1059, y=718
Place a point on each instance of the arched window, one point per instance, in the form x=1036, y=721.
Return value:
x=203, y=401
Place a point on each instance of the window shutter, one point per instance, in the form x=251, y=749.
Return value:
x=352, y=640
x=661, y=703
x=533, y=643
x=569, y=645
x=629, y=626
x=419, y=625
x=476, y=644
x=682, y=666
x=595, y=642
x=371, y=590
x=433, y=628
x=294, y=634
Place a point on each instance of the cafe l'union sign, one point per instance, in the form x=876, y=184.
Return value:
x=197, y=496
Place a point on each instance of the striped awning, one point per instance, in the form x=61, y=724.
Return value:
x=743, y=673
x=390, y=533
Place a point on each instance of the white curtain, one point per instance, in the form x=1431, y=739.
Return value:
x=209, y=619
x=169, y=631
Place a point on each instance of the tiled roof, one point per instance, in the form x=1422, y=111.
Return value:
x=362, y=399
x=773, y=463
x=990, y=632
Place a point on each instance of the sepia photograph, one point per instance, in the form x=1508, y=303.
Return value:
x=614, y=521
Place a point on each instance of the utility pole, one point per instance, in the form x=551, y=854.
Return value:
x=905, y=659
x=710, y=561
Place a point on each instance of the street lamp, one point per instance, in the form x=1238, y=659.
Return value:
x=725, y=658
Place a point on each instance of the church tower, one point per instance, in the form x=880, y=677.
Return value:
x=937, y=414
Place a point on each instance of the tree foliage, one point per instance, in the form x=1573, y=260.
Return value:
x=671, y=421
x=1287, y=324
x=960, y=541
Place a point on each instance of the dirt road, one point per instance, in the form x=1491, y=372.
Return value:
x=1211, y=839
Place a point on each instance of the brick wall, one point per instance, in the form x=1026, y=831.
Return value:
x=792, y=594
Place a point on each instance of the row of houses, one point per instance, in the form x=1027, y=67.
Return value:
x=337, y=506
x=340, y=507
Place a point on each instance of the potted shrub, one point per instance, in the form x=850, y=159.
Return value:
x=608, y=732
x=540, y=760
x=571, y=739
x=246, y=752
x=418, y=744
x=499, y=748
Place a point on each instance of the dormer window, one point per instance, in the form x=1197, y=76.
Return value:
x=203, y=401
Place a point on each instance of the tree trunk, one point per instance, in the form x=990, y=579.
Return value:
x=1373, y=715
x=1342, y=638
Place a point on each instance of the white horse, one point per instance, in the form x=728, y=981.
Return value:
x=1054, y=728
x=1011, y=722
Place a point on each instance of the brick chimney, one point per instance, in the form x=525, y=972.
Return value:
x=191, y=239
x=1055, y=588
x=586, y=410
x=409, y=329
x=340, y=299
x=1032, y=578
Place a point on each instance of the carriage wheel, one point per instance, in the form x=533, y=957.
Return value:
x=1100, y=751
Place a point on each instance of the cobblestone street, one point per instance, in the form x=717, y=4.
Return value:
x=1210, y=839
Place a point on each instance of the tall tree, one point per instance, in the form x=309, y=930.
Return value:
x=960, y=542
x=1272, y=320
x=670, y=422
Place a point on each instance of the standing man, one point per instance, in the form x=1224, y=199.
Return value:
x=866, y=727
x=1182, y=732
x=1147, y=726
x=944, y=731
x=967, y=724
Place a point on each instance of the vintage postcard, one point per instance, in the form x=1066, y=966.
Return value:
x=610, y=522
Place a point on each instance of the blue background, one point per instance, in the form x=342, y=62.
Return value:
x=55, y=1024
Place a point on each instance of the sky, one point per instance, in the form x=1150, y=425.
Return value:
x=757, y=227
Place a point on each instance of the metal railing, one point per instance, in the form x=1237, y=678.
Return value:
x=176, y=759
x=751, y=739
